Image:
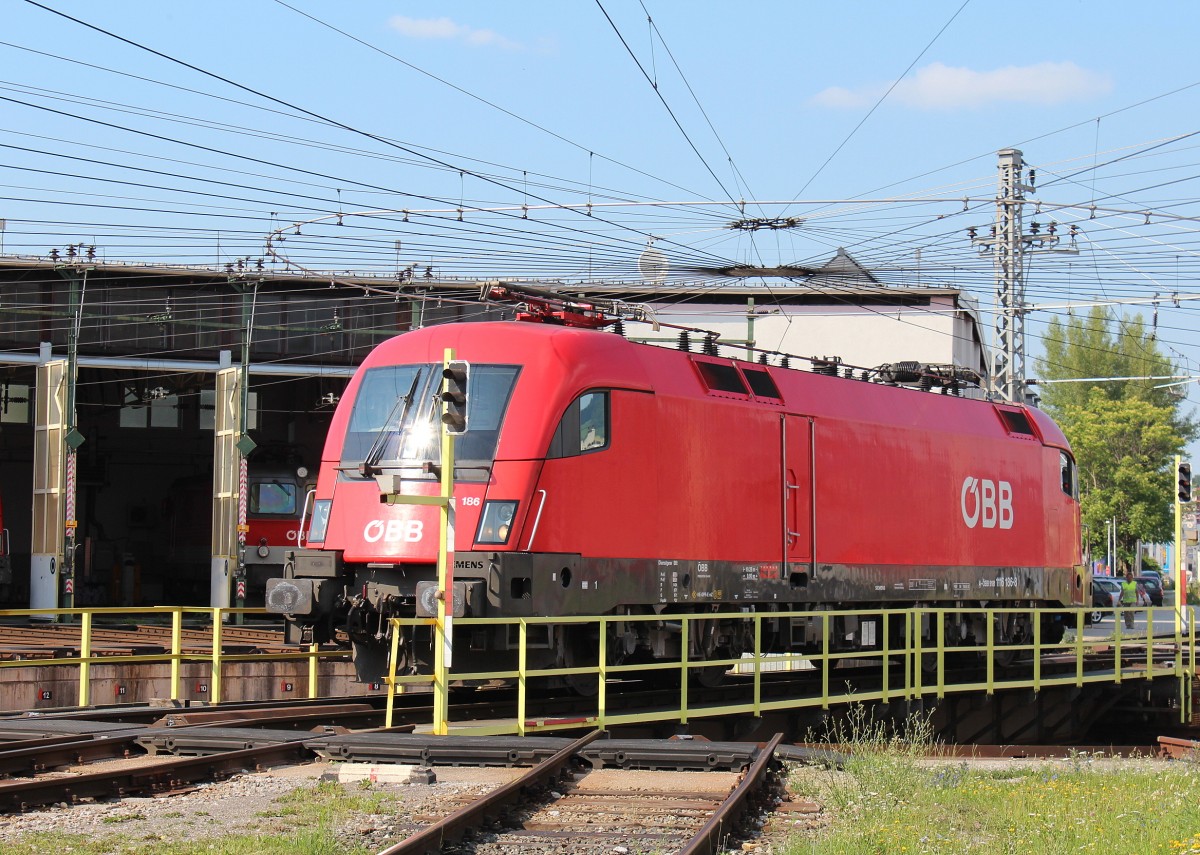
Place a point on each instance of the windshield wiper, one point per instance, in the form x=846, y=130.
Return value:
x=368, y=467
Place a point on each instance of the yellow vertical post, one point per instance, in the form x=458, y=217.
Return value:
x=391, y=680
x=1037, y=652
x=313, y=659
x=176, y=650
x=886, y=650
x=444, y=629
x=915, y=679
x=215, y=695
x=1187, y=694
x=1079, y=646
x=758, y=664
x=941, y=653
x=912, y=671
x=1150, y=641
x=602, y=667
x=522, y=664
x=683, y=673
x=1118, y=622
x=85, y=655
x=989, y=618
x=826, y=663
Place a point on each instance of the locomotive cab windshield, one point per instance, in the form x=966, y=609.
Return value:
x=396, y=418
x=274, y=498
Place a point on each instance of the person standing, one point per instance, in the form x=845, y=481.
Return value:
x=1129, y=592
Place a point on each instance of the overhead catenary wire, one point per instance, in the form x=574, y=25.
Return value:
x=284, y=103
x=874, y=243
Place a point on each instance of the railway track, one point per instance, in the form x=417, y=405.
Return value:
x=545, y=794
x=579, y=796
x=556, y=807
x=50, y=640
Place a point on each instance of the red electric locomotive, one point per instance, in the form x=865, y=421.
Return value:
x=600, y=476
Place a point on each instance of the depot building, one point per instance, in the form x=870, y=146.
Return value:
x=147, y=410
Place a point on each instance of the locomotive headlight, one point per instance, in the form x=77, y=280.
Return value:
x=495, y=522
x=263, y=550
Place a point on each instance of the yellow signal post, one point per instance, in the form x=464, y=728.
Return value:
x=444, y=631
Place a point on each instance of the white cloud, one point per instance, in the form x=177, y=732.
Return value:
x=444, y=28
x=942, y=87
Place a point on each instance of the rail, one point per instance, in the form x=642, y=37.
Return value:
x=921, y=671
x=195, y=636
x=449, y=829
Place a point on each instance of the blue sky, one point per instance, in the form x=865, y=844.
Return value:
x=308, y=109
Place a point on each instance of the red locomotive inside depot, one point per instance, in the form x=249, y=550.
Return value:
x=599, y=476
x=274, y=510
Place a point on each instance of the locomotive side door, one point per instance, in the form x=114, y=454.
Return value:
x=799, y=490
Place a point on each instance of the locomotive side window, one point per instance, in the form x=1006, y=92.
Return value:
x=584, y=427
x=761, y=383
x=1070, y=479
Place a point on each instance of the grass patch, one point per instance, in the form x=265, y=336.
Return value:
x=890, y=798
x=314, y=813
x=303, y=842
x=123, y=817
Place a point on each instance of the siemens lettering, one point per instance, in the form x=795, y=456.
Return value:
x=393, y=531
x=986, y=503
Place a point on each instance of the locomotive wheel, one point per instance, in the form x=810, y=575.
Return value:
x=1053, y=630
x=581, y=650
x=711, y=676
x=370, y=662
x=820, y=664
x=1011, y=629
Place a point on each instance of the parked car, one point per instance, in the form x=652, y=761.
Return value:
x=1106, y=595
x=1153, y=587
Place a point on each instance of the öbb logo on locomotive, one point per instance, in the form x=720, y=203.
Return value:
x=986, y=503
x=394, y=531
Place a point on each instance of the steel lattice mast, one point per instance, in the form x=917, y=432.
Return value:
x=1008, y=244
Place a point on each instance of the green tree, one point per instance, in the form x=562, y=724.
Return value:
x=1124, y=433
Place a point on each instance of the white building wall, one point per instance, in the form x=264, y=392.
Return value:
x=862, y=336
